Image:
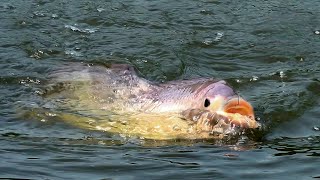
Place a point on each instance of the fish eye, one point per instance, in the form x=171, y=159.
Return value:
x=206, y=103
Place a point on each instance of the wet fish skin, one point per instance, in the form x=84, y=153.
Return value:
x=118, y=88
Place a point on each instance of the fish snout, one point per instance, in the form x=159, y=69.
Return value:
x=223, y=115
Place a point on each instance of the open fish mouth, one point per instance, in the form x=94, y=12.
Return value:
x=235, y=116
x=239, y=106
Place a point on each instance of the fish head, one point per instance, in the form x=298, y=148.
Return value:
x=221, y=109
x=221, y=97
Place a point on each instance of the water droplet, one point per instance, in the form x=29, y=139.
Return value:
x=76, y=29
x=176, y=128
x=39, y=14
x=231, y=155
x=254, y=78
x=207, y=41
x=123, y=136
x=90, y=121
x=112, y=123
x=300, y=58
x=54, y=15
x=206, y=12
x=101, y=143
x=123, y=122
x=219, y=36
x=52, y=114
x=38, y=54
x=100, y=9
x=73, y=53
x=71, y=27
x=90, y=30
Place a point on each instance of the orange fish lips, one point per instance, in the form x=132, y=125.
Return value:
x=240, y=106
x=224, y=116
x=239, y=113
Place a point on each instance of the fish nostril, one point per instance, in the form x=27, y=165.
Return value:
x=207, y=103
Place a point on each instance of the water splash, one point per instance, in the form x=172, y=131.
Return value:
x=76, y=29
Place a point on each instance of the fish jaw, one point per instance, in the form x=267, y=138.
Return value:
x=240, y=106
x=236, y=109
x=223, y=116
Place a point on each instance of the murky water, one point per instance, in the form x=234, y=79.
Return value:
x=268, y=50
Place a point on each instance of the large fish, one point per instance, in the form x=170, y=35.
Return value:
x=116, y=99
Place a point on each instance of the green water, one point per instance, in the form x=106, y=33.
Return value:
x=267, y=50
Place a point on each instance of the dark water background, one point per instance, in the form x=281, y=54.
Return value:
x=268, y=50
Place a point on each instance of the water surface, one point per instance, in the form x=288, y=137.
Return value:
x=268, y=50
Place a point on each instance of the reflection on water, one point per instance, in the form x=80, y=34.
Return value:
x=268, y=51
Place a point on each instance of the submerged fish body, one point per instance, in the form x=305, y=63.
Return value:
x=200, y=107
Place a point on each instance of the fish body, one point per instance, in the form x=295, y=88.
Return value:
x=208, y=105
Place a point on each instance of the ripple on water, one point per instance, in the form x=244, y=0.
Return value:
x=73, y=53
x=271, y=48
x=81, y=30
